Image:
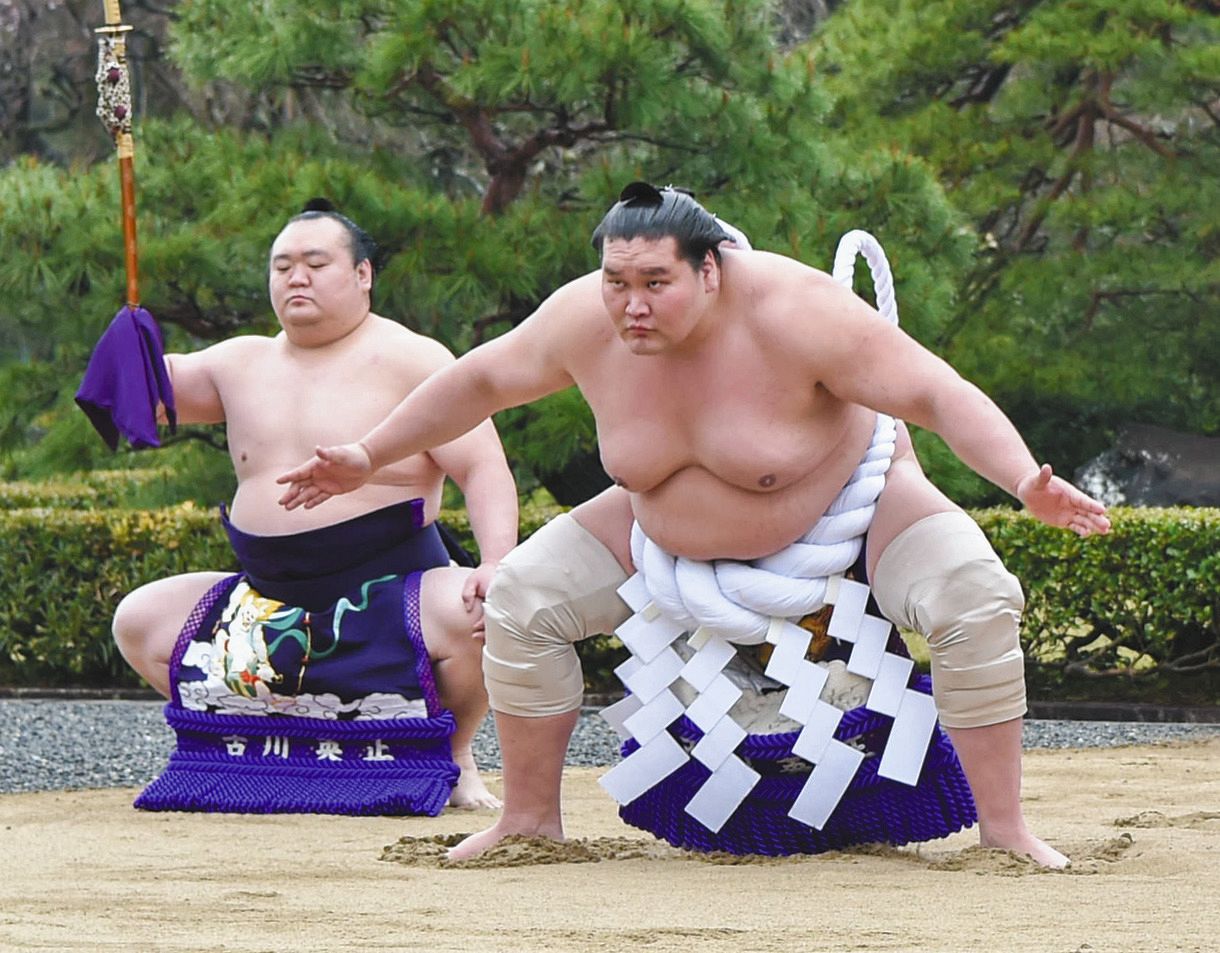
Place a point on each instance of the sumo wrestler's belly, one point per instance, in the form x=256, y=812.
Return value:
x=255, y=508
x=696, y=514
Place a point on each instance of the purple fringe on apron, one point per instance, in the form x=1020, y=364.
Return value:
x=347, y=645
x=874, y=809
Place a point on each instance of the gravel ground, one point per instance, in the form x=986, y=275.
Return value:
x=50, y=745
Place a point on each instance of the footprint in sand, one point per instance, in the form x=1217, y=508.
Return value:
x=518, y=851
x=1196, y=821
x=1087, y=858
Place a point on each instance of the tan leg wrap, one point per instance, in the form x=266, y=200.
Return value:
x=941, y=577
x=556, y=588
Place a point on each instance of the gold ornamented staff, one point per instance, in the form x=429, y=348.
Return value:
x=114, y=110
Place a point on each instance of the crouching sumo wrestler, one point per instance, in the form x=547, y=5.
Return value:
x=339, y=671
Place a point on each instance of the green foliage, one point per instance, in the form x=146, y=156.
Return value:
x=547, y=436
x=29, y=390
x=952, y=477
x=534, y=513
x=479, y=142
x=56, y=494
x=65, y=435
x=65, y=572
x=97, y=489
x=56, y=248
x=188, y=473
x=184, y=471
x=1139, y=602
x=530, y=117
x=1080, y=139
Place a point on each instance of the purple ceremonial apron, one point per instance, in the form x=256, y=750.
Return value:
x=302, y=684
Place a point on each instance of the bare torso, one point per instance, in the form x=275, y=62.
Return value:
x=734, y=450
x=281, y=402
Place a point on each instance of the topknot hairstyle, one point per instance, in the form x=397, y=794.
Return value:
x=646, y=211
x=360, y=243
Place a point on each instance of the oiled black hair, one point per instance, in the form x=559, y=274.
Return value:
x=646, y=211
x=360, y=243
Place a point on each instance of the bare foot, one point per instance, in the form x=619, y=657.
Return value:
x=1025, y=844
x=470, y=793
x=476, y=844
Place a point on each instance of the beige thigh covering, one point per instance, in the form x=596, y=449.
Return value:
x=556, y=588
x=941, y=577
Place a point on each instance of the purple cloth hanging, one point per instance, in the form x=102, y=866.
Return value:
x=126, y=379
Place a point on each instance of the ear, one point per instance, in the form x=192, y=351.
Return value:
x=710, y=272
x=364, y=275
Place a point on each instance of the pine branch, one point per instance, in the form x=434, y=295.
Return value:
x=1144, y=135
x=516, y=311
x=983, y=87
x=318, y=77
x=1098, y=298
x=1200, y=661
x=509, y=172
x=1108, y=110
x=1086, y=115
x=188, y=314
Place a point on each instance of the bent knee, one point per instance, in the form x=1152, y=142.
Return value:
x=530, y=666
x=944, y=580
x=559, y=587
x=975, y=596
x=141, y=616
x=154, y=614
x=128, y=625
x=938, y=570
x=446, y=622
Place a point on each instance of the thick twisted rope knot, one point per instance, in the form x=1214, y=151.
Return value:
x=737, y=600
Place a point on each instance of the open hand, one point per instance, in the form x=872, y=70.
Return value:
x=331, y=471
x=1057, y=503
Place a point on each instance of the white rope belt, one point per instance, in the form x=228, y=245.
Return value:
x=737, y=600
x=728, y=602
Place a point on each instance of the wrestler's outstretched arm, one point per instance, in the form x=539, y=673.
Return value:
x=516, y=368
x=871, y=362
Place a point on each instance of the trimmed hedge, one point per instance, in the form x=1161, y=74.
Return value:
x=96, y=488
x=1143, y=601
x=64, y=572
x=67, y=561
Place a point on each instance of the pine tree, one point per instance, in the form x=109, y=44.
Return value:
x=1080, y=136
x=479, y=142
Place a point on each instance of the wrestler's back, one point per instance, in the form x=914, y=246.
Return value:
x=282, y=402
x=735, y=451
